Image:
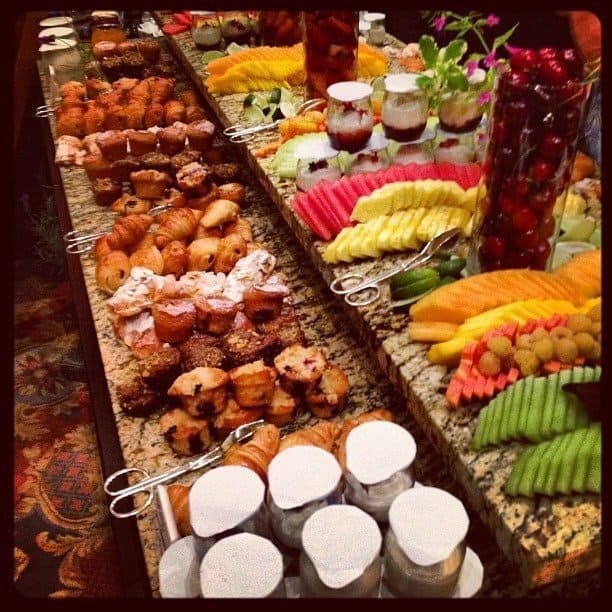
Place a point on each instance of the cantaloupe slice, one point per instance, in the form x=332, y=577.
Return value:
x=584, y=272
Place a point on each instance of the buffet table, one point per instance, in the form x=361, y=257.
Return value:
x=548, y=543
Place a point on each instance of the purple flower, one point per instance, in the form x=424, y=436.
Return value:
x=492, y=20
x=489, y=61
x=439, y=23
x=471, y=67
x=484, y=98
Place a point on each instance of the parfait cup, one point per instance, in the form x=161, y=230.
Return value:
x=404, y=108
x=459, y=112
x=331, y=41
x=533, y=131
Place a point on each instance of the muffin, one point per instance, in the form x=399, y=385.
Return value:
x=97, y=167
x=299, y=367
x=141, y=141
x=150, y=50
x=253, y=384
x=186, y=156
x=171, y=139
x=194, y=177
x=174, y=320
x=156, y=161
x=122, y=168
x=215, y=315
x=106, y=191
x=113, y=145
x=161, y=368
x=150, y=184
x=326, y=397
x=225, y=173
x=137, y=399
x=264, y=302
x=200, y=134
x=201, y=391
x=187, y=436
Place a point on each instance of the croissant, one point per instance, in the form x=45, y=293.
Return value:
x=147, y=240
x=258, y=452
x=112, y=270
x=178, y=224
x=233, y=416
x=149, y=257
x=219, y=212
x=178, y=495
x=241, y=227
x=101, y=247
x=134, y=115
x=140, y=93
x=230, y=250
x=232, y=191
x=154, y=115
x=115, y=118
x=323, y=435
x=174, y=111
x=175, y=258
x=339, y=450
x=128, y=231
x=129, y=204
x=203, y=232
x=202, y=253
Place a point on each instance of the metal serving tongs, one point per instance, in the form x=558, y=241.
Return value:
x=44, y=111
x=369, y=288
x=239, y=133
x=148, y=483
x=80, y=242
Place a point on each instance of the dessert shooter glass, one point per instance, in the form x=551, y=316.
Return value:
x=313, y=170
x=206, y=30
x=404, y=107
x=372, y=157
x=376, y=32
x=236, y=27
x=349, y=115
x=459, y=111
x=533, y=132
x=280, y=28
x=330, y=46
x=424, y=547
x=340, y=554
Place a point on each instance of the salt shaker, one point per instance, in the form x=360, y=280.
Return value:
x=301, y=480
x=379, y=457
x=340, y=554
x=424, y=548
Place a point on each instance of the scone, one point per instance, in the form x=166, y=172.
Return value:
x=201, y=391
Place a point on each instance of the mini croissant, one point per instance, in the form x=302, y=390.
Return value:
x=175, y=257
x=323, y=435
x=128, y=231
x=178, y=495
x=112, y=271
x=219, y=212
x=241, y=227
x=230, y=250
x=202, y=253
x=177, y=224
x=257, y=453
x=148, y=257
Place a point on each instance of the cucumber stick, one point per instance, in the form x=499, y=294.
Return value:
x=525, y=406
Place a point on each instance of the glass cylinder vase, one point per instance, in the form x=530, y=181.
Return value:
x=280, y=28
x=533, y=130
x=331, y=41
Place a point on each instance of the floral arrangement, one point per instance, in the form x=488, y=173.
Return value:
x=444, y=70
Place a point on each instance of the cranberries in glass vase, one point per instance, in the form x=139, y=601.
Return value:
x=536, y=115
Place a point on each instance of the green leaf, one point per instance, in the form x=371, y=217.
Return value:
x=424, y=82
x=455, y=26
x=454, y=50
x=457, y=80
x=500, y=40
x=429, y=50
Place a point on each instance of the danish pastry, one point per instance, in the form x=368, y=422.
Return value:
x=231, y=248
x=130, y=205
x=202, y=253
x=175, y=258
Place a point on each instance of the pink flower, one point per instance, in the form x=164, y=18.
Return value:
x=492, y=20
x=471, y=67
x=439, y=23
x=489, y=61
x=511, y=49
x=484, y=98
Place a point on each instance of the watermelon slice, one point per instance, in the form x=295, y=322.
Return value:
x=316, y=222
x=453, y=392
x=320, y=206
x=350, y=189
x=371, y=181
x=337, y=205
x=501, y=381
x=343, y=196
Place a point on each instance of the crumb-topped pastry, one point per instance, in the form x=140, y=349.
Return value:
x=141, y=141
x=253, y=384
x=122, y=168
x=225, y=173
x=112, y=144
x=150, y=184
x=244, y=345
x=200, y=134
x=300, y=366
x=194, y=177
x=286, y=326
x=156, y=161
x=187, y=156
x=160, y=369
x=201, y=391
x=201, y=351
x=185, y=434
x=137, y=399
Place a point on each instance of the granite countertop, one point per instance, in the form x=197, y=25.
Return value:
x=547, y=540
x=327, y=325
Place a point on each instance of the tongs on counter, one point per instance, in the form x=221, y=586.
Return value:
x=240, y=133
x=148, y=483
x=80, y=242
x=367, y=290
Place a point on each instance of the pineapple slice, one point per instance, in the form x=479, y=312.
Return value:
x=368, y=207
x=383, y=241
x=402, y=195
x=356, y=239
x=398, y=231
x=468, y=199
x=342, y=249
x=369, y=243
x=409, y=224
x=443, y=193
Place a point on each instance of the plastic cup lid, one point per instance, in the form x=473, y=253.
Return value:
x=428, y=524
x=364, y=25
x=349, y=91
x=52, y=22
x=58, y=45
x=377, y=450
x=179, y=570
x=223, y=498
x=315, y=149
x=403, y=82
x=374, y=16
x=59, y=32
x=242, y=565
x=301, y=474
x=341, y=541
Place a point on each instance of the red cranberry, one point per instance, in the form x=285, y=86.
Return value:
x=542, y=170
x=541, y=254
x=518, y=259
x=548, y=53
x=516, y=112
x=542, y=200
x=516, y=81
x=508, y=204
x=506, y=159
x=554, y=73
x=526, y=240
x=522, y=186
x=494, y=246
x=525, y=59
x=551, y=146
x=546, y=227
x=524, y=219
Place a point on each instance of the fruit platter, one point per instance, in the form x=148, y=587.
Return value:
x=499, y=368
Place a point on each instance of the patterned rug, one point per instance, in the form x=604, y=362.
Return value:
x=63, y=544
